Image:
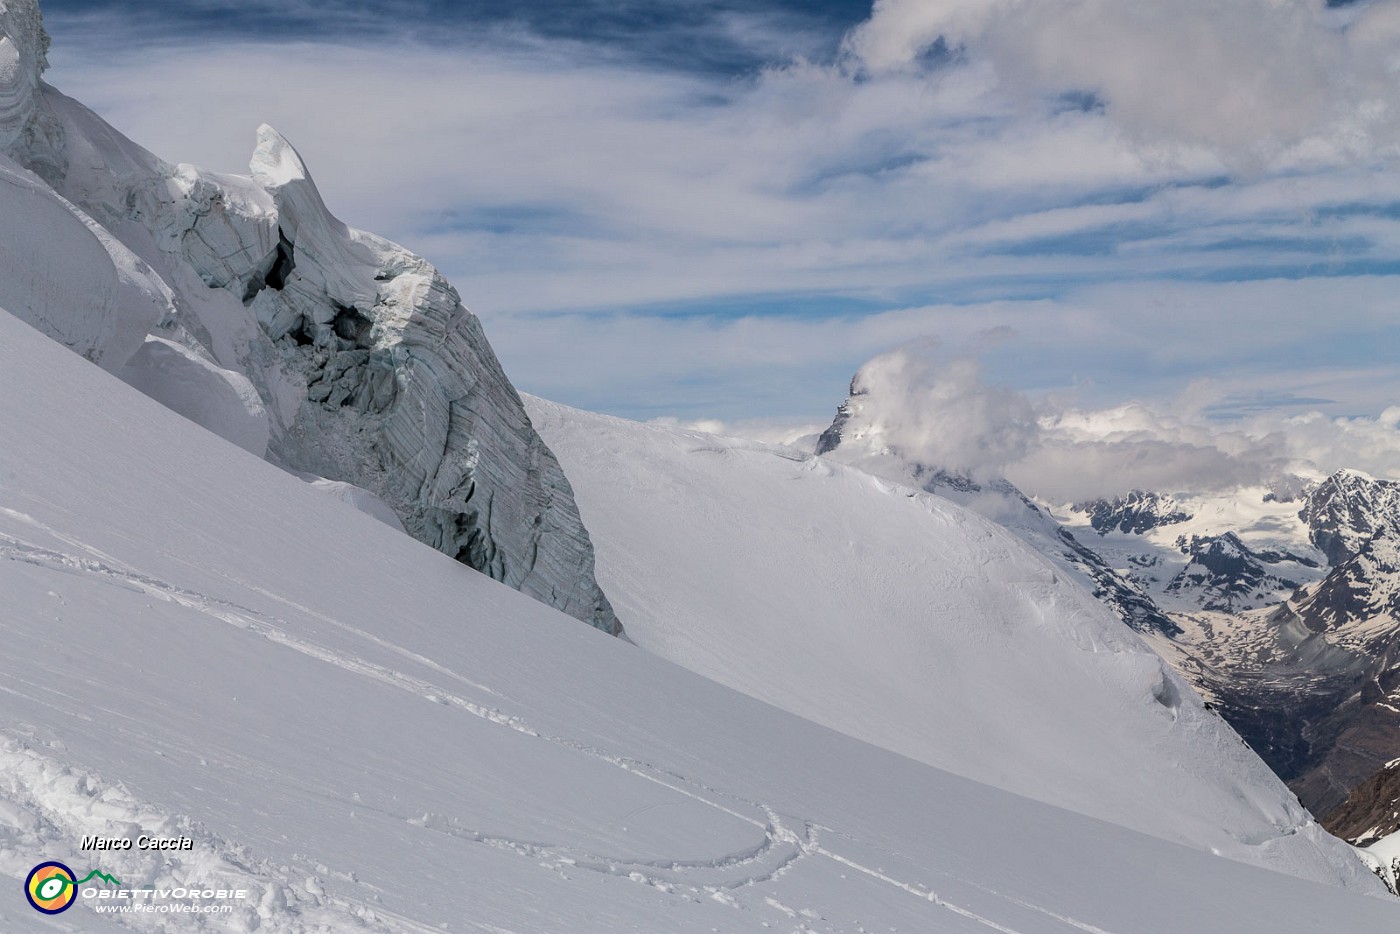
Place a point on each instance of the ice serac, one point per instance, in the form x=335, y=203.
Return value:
x=23, y=57
x=182, y=380
x=68, y=277
x=65, y=273
x=334, y=352
x=403, y=395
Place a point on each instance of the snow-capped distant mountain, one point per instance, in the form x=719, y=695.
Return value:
x=1346, y=510
x=905, y=620
x=246, y=306
x=1287, y=601
x=1231, y=551
x=854, y=438
x=1224, y=574
x=1279, y=603
x=1135, y=513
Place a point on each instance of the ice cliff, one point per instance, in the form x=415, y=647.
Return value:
x=245, y=305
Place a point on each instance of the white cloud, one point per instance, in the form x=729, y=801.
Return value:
x=918, y=404
x=942, y=415
x=654, y=243
x=1248, y=78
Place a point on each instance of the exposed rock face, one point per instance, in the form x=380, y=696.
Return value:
x=276, y=325
x=1372, y=810
x=855, y=438
x=1225, y=575
x=1344, y=511
x=1136, y=512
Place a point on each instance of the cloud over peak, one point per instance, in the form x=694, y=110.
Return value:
x=921, y=408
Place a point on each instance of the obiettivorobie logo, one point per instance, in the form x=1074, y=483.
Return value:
x=52, y=887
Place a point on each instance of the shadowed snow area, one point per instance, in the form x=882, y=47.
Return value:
x=189, y=650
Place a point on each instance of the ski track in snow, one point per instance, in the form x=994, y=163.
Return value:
x=47, y=804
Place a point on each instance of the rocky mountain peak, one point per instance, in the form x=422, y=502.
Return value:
x=1346, y=509
x=1135, y=513
x=1372, y=810
x=1361, y=589
x=1225, y=574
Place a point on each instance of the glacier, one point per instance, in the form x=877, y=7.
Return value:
x=248, y=306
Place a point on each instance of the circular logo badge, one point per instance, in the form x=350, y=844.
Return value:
x=51, y=888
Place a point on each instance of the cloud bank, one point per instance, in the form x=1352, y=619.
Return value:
x=1241, y=77
x=925, y=408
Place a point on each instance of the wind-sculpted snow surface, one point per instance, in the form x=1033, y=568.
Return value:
x=900, y=618
x=187, y=652
x=364, y=366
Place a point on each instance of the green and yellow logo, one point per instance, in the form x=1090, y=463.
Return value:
x=52, y=887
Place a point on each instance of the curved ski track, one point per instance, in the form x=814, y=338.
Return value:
x=784, y=843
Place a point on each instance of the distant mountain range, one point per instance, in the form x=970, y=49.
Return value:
x=1280, y=603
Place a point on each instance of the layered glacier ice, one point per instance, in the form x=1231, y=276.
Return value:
x=333, y=351
x=23, y=57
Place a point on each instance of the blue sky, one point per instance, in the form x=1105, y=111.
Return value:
x=721, y=210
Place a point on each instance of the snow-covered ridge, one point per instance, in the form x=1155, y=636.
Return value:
x=901, y=618
x=246, y=305
x=1280, y=602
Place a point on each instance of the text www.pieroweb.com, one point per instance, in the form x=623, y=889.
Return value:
x=167, y=909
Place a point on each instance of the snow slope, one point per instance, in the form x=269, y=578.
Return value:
x=196, y=642
x=900, y=618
